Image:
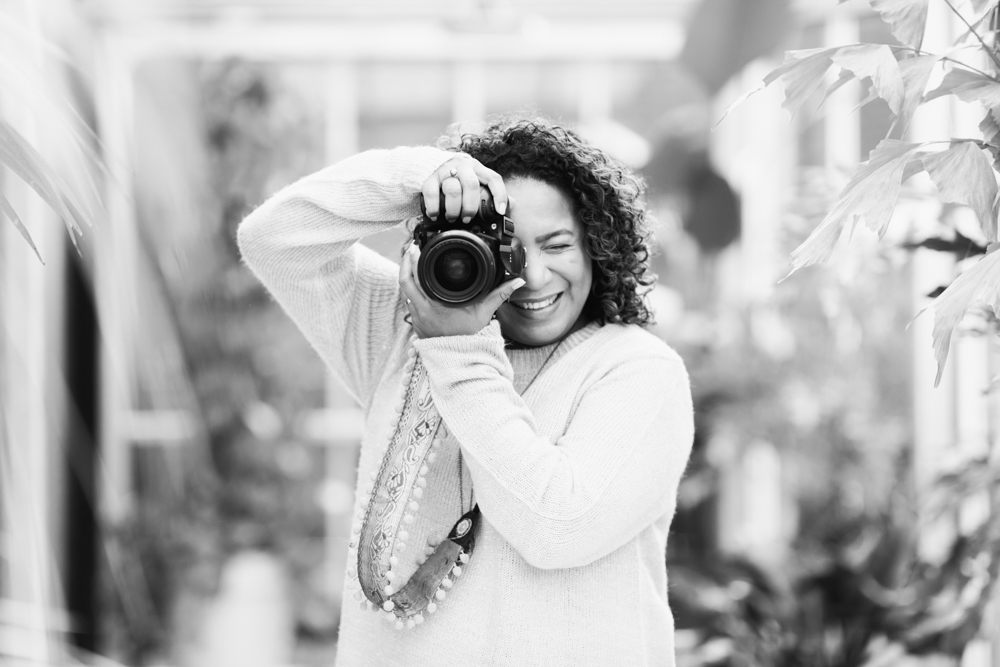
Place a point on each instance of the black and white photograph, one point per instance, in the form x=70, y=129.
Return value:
x=499, y=333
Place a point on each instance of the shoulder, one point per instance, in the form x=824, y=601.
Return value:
x=631, y=355
x=621, y=343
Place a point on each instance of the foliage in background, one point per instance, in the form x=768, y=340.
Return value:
x=35, y=95
x=962, y=169
x=819, y=372
x=250, y=483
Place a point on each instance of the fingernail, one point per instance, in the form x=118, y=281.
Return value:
x=518, y=283
x=502, y=207
x=466, y=219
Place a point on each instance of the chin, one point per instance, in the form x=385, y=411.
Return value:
x=541, y=334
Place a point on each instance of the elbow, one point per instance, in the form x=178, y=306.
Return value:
x=545, y=552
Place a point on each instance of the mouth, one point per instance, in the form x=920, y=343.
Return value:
x=536, y=304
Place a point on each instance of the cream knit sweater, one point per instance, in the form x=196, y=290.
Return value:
x=576, y=479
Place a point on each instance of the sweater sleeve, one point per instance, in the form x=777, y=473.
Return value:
x=301, y=244
x=614, y=471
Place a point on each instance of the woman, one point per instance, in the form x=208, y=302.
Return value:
x=548, y=443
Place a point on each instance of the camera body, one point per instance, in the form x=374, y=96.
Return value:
x=460, y=263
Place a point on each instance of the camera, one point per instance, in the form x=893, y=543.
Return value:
x=461, y=263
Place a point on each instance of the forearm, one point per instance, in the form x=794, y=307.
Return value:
x=301, y=245
x=569, y=502
x=310, y=223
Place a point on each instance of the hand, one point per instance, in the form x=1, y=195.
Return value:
x=431, y=318
x=457, y=181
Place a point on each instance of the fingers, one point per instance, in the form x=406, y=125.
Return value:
x=501, y=294
x=430, y=190
x=455, y=187
x=451, y=188
x=409, y=283
x=494, y=182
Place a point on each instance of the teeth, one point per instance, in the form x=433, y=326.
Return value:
x=539, y=305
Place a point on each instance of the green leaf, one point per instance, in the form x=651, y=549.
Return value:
x=9, y=211
x=916, y=72
x=906, y=18
x=981, y=283
x=871, y=194
x=737, y=102
x=979, y=5
x=845, y=76
x=986, y=93
x=26, y=162
x=874, y=61
x=953, y=79
x=963, y=175
x=801, y=74
x=989, y=127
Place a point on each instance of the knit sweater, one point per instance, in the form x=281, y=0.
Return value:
x=576, y=479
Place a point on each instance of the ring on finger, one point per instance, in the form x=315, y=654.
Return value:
x=453, y=172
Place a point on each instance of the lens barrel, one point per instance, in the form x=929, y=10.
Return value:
x=457, y=267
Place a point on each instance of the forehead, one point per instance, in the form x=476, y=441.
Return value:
x=539, y=208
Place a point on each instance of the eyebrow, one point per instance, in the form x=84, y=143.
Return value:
x=545, y=237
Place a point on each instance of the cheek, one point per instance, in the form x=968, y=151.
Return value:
x=580, y=273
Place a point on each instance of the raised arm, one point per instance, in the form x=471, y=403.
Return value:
x=568, y=502
x=301, y=243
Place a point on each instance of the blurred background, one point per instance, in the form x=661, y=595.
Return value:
x=177, y=468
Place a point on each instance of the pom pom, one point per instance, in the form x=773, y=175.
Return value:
x=447, y=583
x=364, y=605
x=390, y=575
x=403, y=535
x=421, y=482
x=399, y=625
x=431, y=607
x=463, y=557
x=411, y=353
x=457, y=571
x=423, y=470
x=352, y=573
x=359, y=595
x=432, y=457
x=413, y=507
x=410, y=623
x=429, y=550
x=418, y=493
x=388, y=605
x=389, y=590
x=440, y=595
x=418, y=619
x=407, y=518
x=393, y=561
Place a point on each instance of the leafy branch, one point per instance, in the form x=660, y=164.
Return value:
x=964, y=171
x=972, y=31
x=33, y=89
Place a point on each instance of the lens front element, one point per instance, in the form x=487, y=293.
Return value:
x=456, y=268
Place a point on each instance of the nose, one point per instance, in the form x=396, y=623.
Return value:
x=536, y=272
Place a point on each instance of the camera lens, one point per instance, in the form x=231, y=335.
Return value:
x=455, y=269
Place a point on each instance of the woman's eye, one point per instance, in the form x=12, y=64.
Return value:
x=559, y=247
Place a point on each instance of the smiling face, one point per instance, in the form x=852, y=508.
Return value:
x=558, y=274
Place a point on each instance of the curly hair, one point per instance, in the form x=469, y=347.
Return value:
x=607, y=198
